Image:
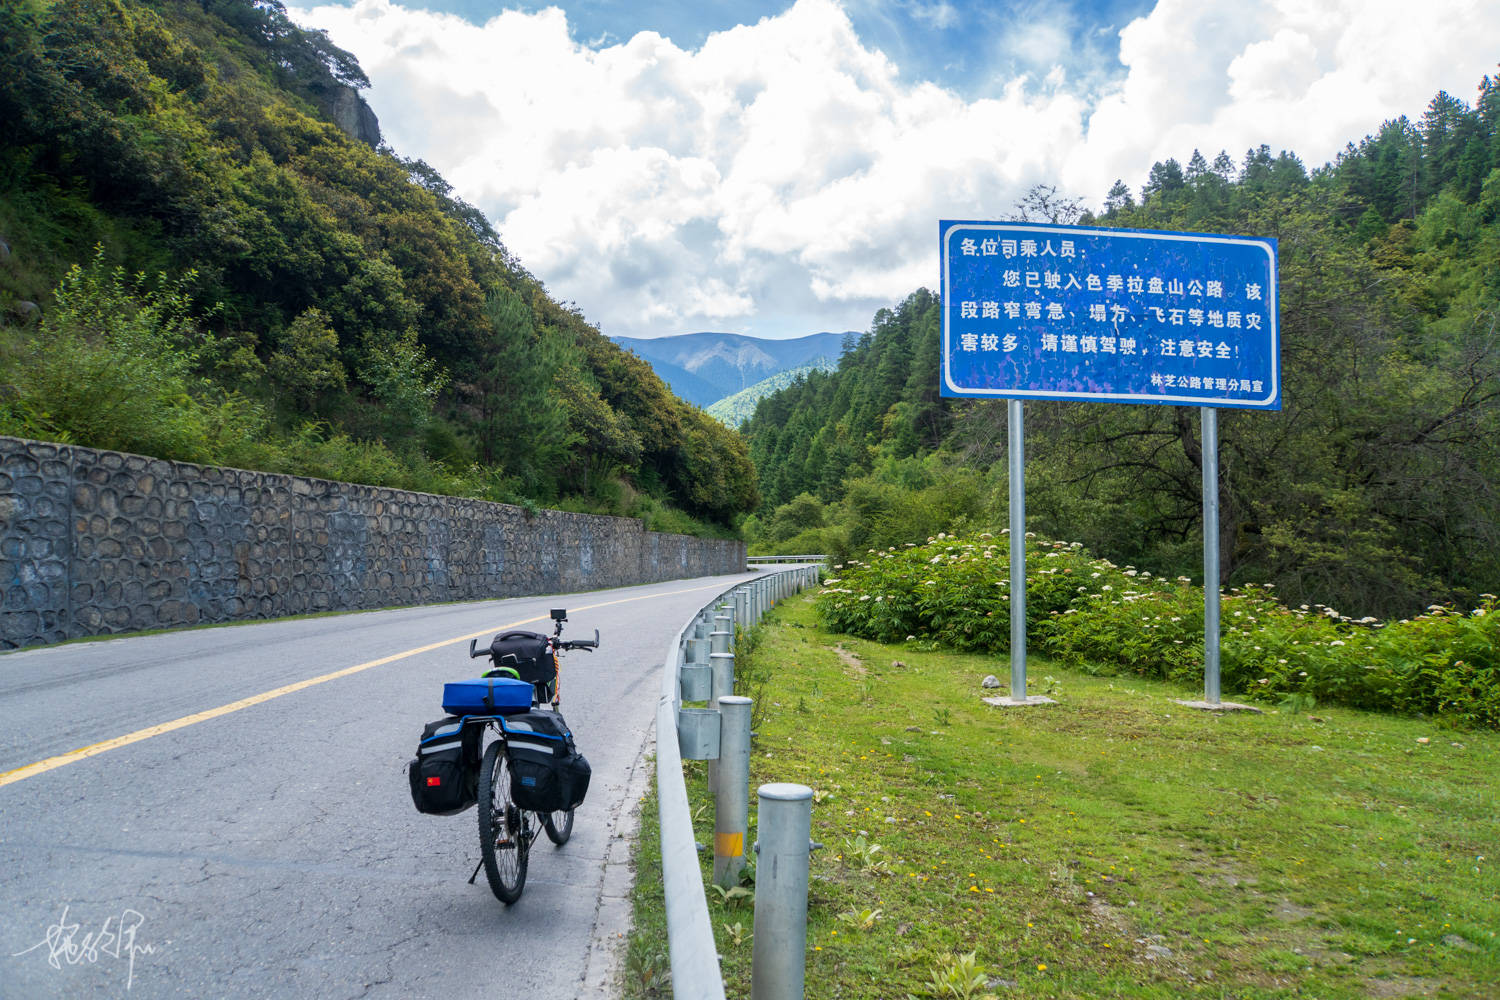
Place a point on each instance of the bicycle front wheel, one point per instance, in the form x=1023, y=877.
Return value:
x=559, y=826
x=504, y=834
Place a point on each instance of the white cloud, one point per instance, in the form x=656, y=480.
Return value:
x=940, y=15
x=785, y=178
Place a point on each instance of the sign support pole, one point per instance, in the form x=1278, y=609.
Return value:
x=1210, y=442
x=1017, y=434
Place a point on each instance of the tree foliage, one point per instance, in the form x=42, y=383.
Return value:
x=1374, y=487
x=349, y=303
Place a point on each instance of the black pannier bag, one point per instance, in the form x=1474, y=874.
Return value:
x=547, y=773
x=527, y=654
x=445, y=772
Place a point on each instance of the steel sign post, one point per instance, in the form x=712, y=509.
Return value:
x=1015, y=449
x=1040, y=311
x=1210, y=447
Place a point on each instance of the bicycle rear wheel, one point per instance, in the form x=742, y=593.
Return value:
x=504, y=830
x=559, y=826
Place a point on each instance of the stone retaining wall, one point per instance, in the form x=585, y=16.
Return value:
x=98, y=542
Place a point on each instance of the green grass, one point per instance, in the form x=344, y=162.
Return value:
x=1114, y=844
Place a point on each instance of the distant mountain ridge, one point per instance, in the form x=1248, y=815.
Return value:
x=704, y=368
x=731, y=411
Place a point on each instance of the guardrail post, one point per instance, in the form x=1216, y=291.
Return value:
x=732, y=797
x=723, y=671
x=721, y=640
x=698, y=733
x=779, y=958
x=721, y=685
x=696, y=674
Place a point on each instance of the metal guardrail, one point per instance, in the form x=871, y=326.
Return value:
x=769, y=560
x=693, y=954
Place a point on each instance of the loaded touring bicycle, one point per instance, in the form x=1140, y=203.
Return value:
x=505, y=747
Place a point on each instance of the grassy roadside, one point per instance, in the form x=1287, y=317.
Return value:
x=1115, y=844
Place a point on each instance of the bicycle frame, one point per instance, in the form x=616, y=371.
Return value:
x=506, y=830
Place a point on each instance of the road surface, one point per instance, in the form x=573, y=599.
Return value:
x=254, y=834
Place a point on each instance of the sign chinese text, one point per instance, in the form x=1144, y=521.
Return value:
x=1111, y=315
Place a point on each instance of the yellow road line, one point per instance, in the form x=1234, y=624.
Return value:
x=51, y=763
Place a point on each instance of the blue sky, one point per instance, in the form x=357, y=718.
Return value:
x=971, y=48
x=780, y=170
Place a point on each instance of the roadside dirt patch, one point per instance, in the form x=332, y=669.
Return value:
x=1292, y=913
x=851, y=660
x=1401, y=986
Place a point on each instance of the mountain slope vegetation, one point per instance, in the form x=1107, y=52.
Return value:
x=249, y=283
x=1373, y=490
x=735, y=410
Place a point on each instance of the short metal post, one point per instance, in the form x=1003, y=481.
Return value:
x=721, y=640
x=732, y=797
x=723, y=671
x=695, y=674
x=721, y=685
x=781, y=875
x=741, y=608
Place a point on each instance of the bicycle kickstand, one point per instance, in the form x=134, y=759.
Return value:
x=476, y=871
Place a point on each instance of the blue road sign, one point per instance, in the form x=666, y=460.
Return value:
x=1110, y=315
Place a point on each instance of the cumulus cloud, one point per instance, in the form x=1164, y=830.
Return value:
x=785, y=178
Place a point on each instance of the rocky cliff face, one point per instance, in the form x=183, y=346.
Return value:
x=351, y=114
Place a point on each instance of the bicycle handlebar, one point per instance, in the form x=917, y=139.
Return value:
x=584, y=644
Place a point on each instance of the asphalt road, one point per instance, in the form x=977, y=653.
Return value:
x=272, y=850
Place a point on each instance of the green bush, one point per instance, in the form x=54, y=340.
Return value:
x=1154, y=633
x=1095, y=616
x=957, y=591
x=113, y=365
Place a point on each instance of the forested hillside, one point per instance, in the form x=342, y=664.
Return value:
x=1374, y=489
x=735, y=410
x=196, y=262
